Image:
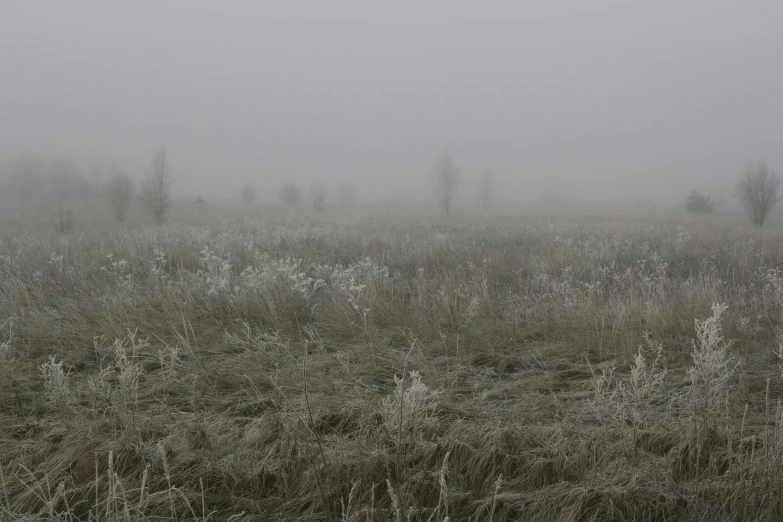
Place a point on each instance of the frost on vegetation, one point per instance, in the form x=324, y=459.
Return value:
x=217, y=272
x=119, y=270
x=158, y=263
x=264, y=275
x=635, y=398
x=255, y=340
x=8, y=264
x=5, y=344
x=771, y=294
x=713, y=365
x=57, y=385
x=353, y=280
x=409, y=409
x=118, y=383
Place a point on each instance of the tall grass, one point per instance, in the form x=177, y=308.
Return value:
x=491, y=368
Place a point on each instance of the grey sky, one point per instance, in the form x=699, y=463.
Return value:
x=610, y=98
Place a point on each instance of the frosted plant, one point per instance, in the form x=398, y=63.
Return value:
x=158, y=263
x=647, y=376
x=713, y=365
x=635, y=398
x=5, y=346
x=56, y=261
x=118, y=384
x=56, y=385
x=473, y=307
x=119, y=271
x=217, y=272
x=128, y=371
x=410, y=409
x=169, y=359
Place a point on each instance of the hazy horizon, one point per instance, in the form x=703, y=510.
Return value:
x=595, y=101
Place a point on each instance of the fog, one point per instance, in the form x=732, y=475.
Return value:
x=592, y=100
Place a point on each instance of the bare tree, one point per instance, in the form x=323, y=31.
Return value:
x=485, y=189
x=155, y=194
x=249, y=194
x=757, y=190
x=445, y=178
x=120, y=192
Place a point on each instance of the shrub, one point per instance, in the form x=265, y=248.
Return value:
x=290, y=194
x=697, y=202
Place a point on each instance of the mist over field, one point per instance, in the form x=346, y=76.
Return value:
x=592, y=101
x=408, y=261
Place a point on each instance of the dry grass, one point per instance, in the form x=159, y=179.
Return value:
x=567, y=369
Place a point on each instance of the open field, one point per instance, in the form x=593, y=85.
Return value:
x=228, y=366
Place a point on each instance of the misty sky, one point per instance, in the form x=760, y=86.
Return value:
x=613, y=99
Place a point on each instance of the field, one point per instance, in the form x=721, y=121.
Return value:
x=241, y=365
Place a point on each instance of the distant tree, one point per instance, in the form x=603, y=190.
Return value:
x=445, y=178
x=697, y=202
x=757, y=190
x=485, y=189
x=155, y=196
x=290, y=194
x=120, y=192
x=199, y=202
x=346, y=194
x=318, y=197
x=249, y=194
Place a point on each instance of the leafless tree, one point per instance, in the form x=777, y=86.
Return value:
x=120, y=192
x=155, y=194
x=757, y=190
x=445, y=179
x=485, y=189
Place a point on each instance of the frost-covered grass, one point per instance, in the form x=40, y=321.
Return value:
x=260, y=366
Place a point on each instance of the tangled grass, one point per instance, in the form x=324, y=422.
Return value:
x=492, y=369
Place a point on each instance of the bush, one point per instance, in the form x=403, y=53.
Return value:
x=697, y=202
x=290, y=194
